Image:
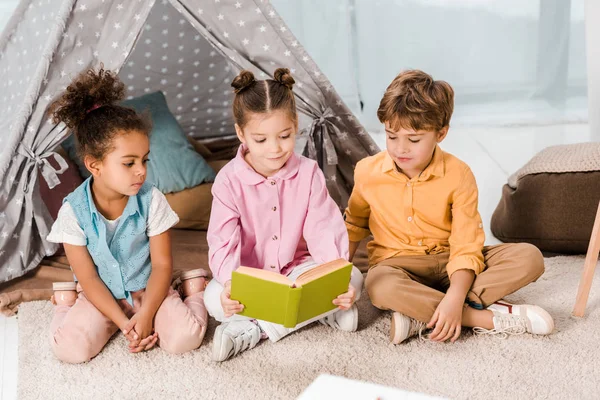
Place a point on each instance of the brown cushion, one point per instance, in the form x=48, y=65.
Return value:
x=554, y=212
x=69, y=181
x=200, y=148
x=220, y=149
x=193, y=205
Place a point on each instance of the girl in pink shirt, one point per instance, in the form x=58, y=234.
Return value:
x=271, y=210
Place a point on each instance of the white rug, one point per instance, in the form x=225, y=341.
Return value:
x=563, y=365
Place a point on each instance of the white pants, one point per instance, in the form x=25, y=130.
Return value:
x=212, y=301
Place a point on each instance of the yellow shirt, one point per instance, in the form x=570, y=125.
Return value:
x=431, y=213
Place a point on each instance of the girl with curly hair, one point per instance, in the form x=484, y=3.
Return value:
x=115, y=231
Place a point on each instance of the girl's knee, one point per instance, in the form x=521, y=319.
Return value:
x=181, y=340
x=71, y=348
x=357, y=280
x=212, y=300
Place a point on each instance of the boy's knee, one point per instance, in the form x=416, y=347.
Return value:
x=533, y=260
x=71, y=347
x=379, y=287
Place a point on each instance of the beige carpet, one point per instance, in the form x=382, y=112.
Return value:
x=564, y=365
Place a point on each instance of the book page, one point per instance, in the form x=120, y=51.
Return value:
x=320, y=271
x=266, y=275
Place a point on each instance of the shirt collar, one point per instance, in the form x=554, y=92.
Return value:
x=435, y=168
x=131, y=208
x=388, y=164
x=249, y=176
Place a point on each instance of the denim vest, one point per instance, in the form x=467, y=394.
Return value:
x=124, y=267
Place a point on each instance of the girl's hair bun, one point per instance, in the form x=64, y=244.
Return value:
x=284, y=77
x=244, y=80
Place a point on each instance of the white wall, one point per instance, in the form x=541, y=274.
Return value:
x=592, y=33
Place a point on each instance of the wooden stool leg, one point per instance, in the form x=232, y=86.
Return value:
x=591, y=260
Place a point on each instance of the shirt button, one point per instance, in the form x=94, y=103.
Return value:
x=274, y=237
x=272, y=266
x=420, y=243
x=115, y=265
x=408, y=184
x=480, y=225
x=272, y=182
x=274, y=208
x=409, y=219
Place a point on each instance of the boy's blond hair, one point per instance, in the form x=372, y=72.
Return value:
x=415, y=101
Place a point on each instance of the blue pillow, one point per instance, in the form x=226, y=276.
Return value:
x=174, y=164
x=71, y=148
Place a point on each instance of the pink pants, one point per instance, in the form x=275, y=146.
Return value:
x=79, y=332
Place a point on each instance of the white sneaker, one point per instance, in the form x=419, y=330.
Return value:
x=234, y=337
x=343, y=320
x=403, y=327
x=516, y=319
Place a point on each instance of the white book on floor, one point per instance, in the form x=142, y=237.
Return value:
x=329, y=387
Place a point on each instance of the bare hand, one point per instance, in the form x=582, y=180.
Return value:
x=345, y=300
x=230, y=307
x=144, y=344
x=129, y=332
x=139, y=332
x=447, y=319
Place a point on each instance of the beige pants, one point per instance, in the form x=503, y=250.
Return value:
x=79, y=332
x=415, y=285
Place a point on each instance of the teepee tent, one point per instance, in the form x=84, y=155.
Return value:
x=188, y=49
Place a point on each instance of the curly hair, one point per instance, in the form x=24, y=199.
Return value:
x=252, y=96
x=89, y=108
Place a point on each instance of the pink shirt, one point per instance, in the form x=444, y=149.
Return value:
x=272, y=223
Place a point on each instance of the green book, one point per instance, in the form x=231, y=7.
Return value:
x=273, y=297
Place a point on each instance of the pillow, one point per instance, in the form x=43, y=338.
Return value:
x=553, y=211
x=70, y=148
x=52, y=198
x=193, y=205
x=69, y=181
x=174, y=164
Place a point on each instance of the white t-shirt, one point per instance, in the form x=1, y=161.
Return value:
x=66, y=228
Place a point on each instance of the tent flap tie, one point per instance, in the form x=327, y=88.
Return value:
x=49, y=173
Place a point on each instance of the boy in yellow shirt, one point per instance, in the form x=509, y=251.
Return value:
x=427, y=260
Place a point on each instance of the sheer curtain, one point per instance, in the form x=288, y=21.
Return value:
x=325, y=30
x=509, y=61
x=6, y=9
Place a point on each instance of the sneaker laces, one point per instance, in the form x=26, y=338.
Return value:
x=330, y=321
x=417, y=328
x=244, y=340
x=504, y=325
